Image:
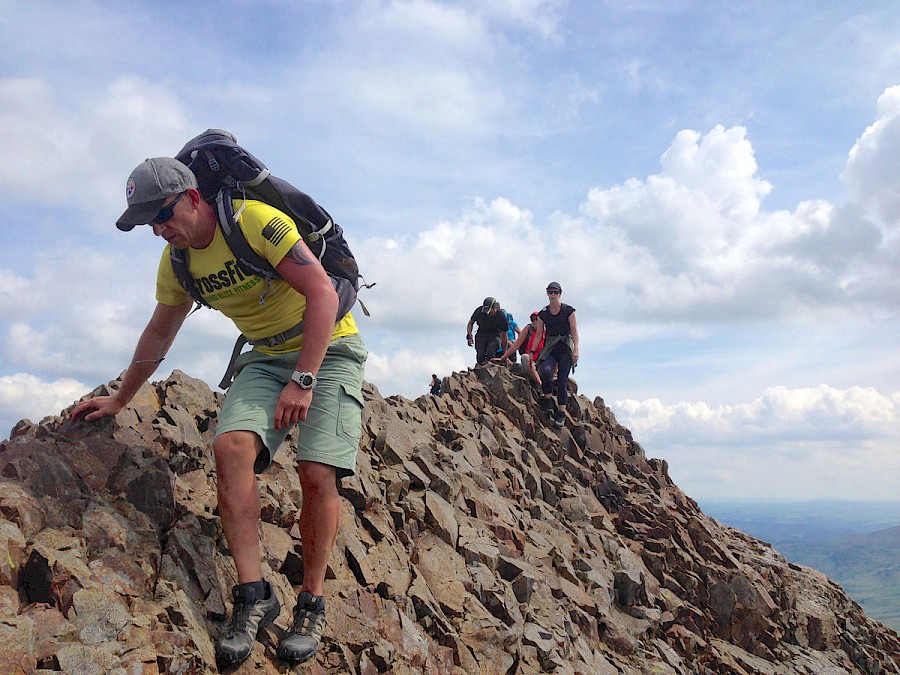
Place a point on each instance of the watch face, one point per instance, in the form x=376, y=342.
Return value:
x=305, y=380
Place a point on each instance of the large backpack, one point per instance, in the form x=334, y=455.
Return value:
x=225, y=169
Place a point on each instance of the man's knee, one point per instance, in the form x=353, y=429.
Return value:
x=317, y=478
x=234, y=448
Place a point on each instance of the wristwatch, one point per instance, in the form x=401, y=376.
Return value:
x=305, y=380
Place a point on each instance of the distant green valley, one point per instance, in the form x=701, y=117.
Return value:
x=856, y=544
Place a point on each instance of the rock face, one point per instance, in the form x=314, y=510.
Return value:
x=475, y=539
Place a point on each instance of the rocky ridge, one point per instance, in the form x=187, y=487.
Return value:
x=475, y=539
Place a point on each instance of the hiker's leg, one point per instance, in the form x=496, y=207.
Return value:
x=327, y=444
x=481, y=348
x=242, y=446
x=545, y=370
x=564, y=363
x=256, y=604
x=238, y=496
x=528, y=366
x=319, y=521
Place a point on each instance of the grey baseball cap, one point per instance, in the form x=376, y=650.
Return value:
x=148, y=187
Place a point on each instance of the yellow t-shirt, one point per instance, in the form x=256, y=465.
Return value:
x=225, y=287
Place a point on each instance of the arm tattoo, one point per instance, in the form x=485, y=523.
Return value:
x=301, y=255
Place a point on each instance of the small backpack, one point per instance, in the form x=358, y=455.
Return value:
x=532, y=344
x=223, y=168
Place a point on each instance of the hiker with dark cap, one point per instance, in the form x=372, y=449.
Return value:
x=491, y=333
x=560, y=352
x=313, y=379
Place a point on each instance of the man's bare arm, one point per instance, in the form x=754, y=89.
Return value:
x=151, y=349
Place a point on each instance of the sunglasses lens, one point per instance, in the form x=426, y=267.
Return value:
x=164, y=215
x=166, y=212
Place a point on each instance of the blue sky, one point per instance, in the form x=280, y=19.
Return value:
x=713, y=184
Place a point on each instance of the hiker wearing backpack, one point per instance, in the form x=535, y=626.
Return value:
x=435, y=387
x=560, y=352
x=306, y=367
x=511, y=334
x=491, y=333
x=529, y=345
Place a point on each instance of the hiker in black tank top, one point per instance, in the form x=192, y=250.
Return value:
x=560, y=352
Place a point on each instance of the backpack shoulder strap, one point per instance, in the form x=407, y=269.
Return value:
x=179, y=260
x=249, y=260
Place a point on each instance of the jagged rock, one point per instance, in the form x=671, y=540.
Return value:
x=474, y=539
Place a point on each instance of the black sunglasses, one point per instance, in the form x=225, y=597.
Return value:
x=552, y=292
x=165, y=213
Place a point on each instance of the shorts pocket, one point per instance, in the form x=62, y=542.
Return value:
x=350, y=413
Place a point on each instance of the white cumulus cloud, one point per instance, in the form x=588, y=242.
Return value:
x=871, y=171
x=799, y=414
x=24, y=396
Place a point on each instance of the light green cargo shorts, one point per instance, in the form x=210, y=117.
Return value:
x=330, y=433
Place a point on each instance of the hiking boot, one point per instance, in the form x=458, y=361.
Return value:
x=302, y=642
x=547, y=406
x=559, y=419
x=251, y=614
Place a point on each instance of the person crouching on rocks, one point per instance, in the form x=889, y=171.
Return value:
x=529, y=344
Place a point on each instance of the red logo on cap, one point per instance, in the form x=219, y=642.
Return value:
x=130, y=187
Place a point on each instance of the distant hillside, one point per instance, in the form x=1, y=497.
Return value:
x=856, y=544
x=867, y=566
x=779, y=521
